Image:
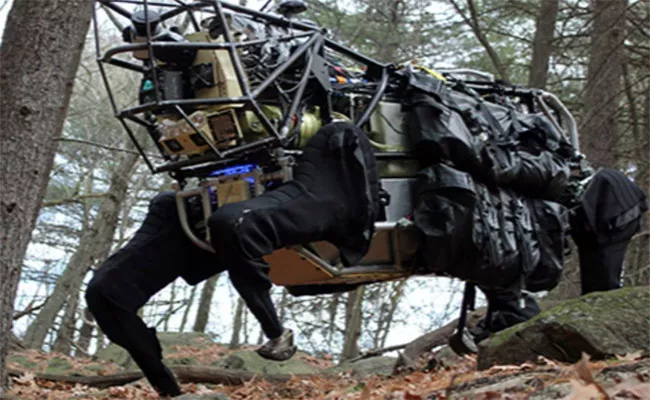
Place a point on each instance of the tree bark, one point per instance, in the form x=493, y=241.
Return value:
x=184, y=373
x=599, y=129
x=408, y=359
x=65, y=335
x=95, y=245
x=170, y=309
x=332, y=312
x=86, y=331
x=639, y=261
x=353, y=316
x=543, y=43
x=237, y=324
x=186, y=313
x=203, y=313
x=398, y=291
x=41, y=48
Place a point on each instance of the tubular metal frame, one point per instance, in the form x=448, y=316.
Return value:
x=312, y=49
x=314, y=45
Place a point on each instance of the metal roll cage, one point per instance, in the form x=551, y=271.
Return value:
x=314, y=46
x=313, y=49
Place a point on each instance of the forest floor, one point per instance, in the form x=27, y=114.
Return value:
x=623, y=377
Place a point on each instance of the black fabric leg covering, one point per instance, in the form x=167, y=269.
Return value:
x=601, y=264
x=127, y=330
x=257, y=296
x=504, y=311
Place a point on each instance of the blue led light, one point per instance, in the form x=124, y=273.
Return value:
x=235, y=170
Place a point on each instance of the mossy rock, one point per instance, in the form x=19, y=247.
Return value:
x=22, y=361
x=245, y=360
x=58, y=366
x=601, y=324
x=168, y=342
x=367, y=366
x=181, y=361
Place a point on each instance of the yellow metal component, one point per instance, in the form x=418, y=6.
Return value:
x=179, y=137
x=397, y=168
x=252, y=126
x=233, y=191
x=225, y=128
x=431, y=72
x=225, y=78
x=310, y=124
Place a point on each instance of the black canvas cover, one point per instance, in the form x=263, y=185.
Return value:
x=551, y=221
x=495, y=143
x=471, y=232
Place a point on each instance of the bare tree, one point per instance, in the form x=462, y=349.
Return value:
x=353, y=319
x=543, y=43
x=203, y=313
x=41, y=48
x=94, y=246
x=599, y=129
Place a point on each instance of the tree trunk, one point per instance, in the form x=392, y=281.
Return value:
x=186, y=313
x=599, y=129
x=353, y=316
x=237, y=324
x=41, y=48
x=282, y=312
x=203, y=313
x=398, y=291
x=86, y=331
x=170, y=309
x=95, y=245
x=333, y=311
x=639, y=261
x=65, y=335
x=543, y=43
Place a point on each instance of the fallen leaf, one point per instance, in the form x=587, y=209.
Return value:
x=412, y=396
x=639, y=392
x=365, y=393
x=582, y=369
x=580, y=391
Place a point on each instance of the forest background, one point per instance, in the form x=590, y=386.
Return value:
x=594, y=55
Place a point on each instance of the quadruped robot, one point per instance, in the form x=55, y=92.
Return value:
x=229, y=95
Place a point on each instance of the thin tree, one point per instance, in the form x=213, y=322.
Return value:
x=543, y=43
x=41, y=48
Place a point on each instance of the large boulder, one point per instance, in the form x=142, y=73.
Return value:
x=600, y=324
x=366, y=366
x=250, y=361
x=168, y=341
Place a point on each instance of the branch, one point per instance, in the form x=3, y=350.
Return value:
x=107, y=147
x=473, y=22
x=30, y=309
x=184, y=373
x=376, y=352
x=76, y=199
x=413, y=350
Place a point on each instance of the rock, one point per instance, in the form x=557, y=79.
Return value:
x=58, y=366
x=600, y=324
x=21, y=361
x=250, y=361
x=168, y=340
x=367, y=366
